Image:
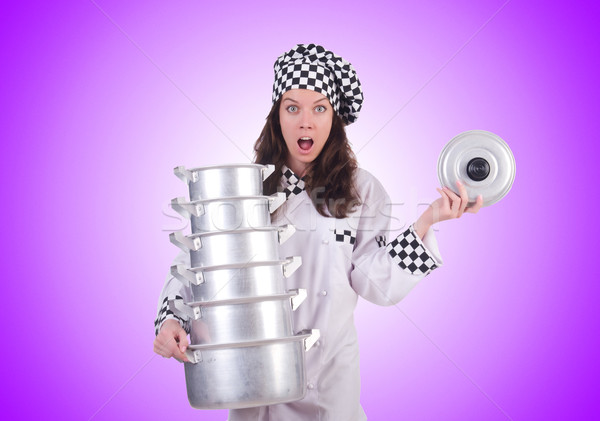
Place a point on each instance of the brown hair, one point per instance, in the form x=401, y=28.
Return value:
x=329, y=178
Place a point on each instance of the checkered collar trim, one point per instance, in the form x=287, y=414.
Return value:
x=292, y=184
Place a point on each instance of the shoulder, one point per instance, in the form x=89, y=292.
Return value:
x=369, y=188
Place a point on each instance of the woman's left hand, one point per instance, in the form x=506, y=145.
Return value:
x=449, y=206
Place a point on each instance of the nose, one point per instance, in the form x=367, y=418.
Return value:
x=306, y=121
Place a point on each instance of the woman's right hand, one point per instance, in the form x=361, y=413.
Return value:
x=171, y=341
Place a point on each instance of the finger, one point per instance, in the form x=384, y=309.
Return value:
x=165, y=345
x=166, y=335
x=183, y=340
x=156, y=347
x=478, y=205
x=159, y=346
x=182, y=344
x=443, y=195
x=453, y=196
x=181, y=357
x=455, y=202
x=440, y=206
x=464, y=198
x=446, y=199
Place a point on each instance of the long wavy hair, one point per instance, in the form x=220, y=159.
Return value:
x=329, y=179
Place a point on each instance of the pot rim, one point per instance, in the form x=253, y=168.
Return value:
x=247, y=344
x=244, y=300
x=229, y=199
x=237, y=231
x=226, y=166
x=251, y=264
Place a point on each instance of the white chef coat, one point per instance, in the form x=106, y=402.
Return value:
x=341, y=259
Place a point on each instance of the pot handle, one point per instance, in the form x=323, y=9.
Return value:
x=267, y=170
x=194, y=355
x=276, y=200
x=184, y=311
x=184, y=242
x=285, y=232
x=298, y=298
x=315, y=334
x=187, y=276
x=290, y=265
x=185, y=175
x=186, y=209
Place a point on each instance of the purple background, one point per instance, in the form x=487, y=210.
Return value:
x=101, y=100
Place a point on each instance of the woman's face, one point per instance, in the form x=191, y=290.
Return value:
x=305, y=117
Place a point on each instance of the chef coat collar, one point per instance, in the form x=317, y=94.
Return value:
x=292, y=184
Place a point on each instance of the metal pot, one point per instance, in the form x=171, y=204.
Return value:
x=229, y=213
x=243, y=375
x=482, y=161
x=225, y=180
x=237, y=281
x=240, y=320
x=233, y=247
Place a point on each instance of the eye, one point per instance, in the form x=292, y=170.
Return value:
x=292, y=108
x=320, y=108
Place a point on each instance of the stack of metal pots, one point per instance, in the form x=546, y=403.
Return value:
x=243, y=350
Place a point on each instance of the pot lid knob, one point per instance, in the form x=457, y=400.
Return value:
x=478, y=169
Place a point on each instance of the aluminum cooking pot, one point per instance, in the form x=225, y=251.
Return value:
x=240, y=320
x=225, y=180
x=229, y=213
x=482, y=161
x=248, y=374
x=237, y=281
x=233, y=247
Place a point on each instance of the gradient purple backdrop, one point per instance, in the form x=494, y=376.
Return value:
x=100, y=100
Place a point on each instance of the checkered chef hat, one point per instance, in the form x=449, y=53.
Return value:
x=310, y=66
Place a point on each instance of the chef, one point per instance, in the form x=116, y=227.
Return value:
x=341, y=214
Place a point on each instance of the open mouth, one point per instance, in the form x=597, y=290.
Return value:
x=305, y=143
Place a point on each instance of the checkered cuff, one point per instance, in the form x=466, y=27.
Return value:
x=165, y=313
x=409, y=252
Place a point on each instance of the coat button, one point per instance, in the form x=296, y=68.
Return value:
x=323, y=292
x=311, y=386
x=325, y=241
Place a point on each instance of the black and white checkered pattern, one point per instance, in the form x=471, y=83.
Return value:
x=165, y=313
x=380, y=239
x=345, y=236
x=310, y=66
x=410, y=254
x=293, y=185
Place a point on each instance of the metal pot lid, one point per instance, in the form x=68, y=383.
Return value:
x=482, y=161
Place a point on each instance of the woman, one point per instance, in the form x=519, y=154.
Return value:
x=339, y=212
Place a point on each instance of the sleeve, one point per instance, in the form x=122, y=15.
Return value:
x=385, y=273
x=172, y=289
